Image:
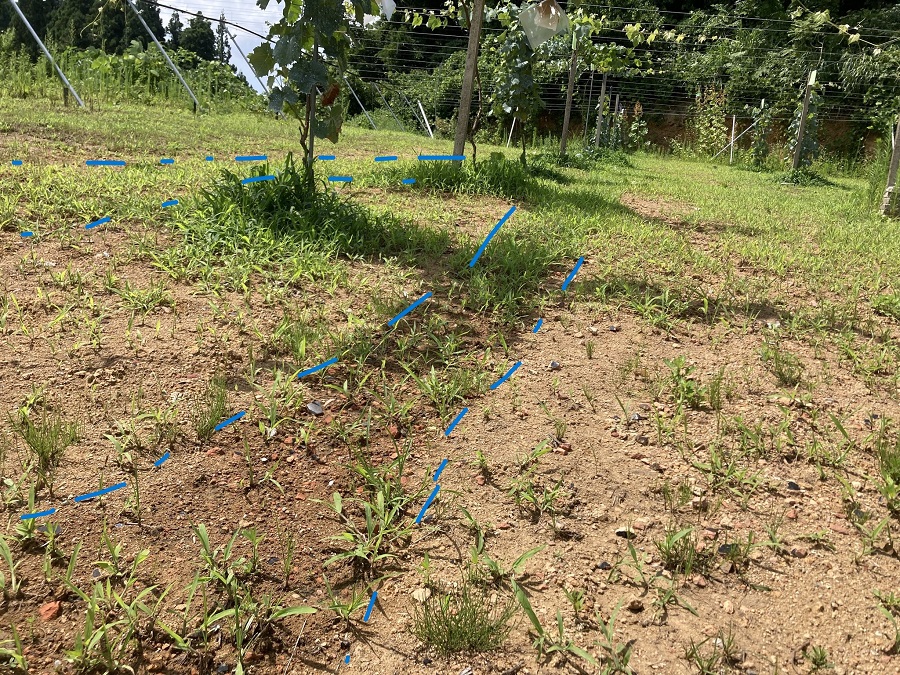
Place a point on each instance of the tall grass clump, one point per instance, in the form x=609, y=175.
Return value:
x=462, y=620
x=496, y=177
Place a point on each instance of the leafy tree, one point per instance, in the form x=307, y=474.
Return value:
x=113, y=28
x=198, y=37
x=223, y=44
x=70, y=24
x=175, y=29
x=38, y=13
x=150, y=14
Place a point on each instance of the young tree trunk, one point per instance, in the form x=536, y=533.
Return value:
x=569, y=94
x=465, y=96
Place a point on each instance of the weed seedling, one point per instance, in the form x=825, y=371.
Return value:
x=211, y=409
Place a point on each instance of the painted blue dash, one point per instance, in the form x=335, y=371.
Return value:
x=537, y=326
x=427, y=503
x=310, y=371
x=97, y=223
x=230, y=420
x=171, y=202
x=251, y=158
x=437, y=474
x=100, y=493
x=409, y=181
x=105, y=162
x=509, y=373
x=573, y=273
x=371, y=605
x=27, y=234
x=39, y=514
x=341, y=179
x=256, y=179
x=409, y=309
x=347, y=659
x=17, y=162
x=386, y=158
x=456, y=421
x=326, y=158
x=210, y=158
x=167, y=161
x=442, y=158
x=159, y=462
x=491, y=236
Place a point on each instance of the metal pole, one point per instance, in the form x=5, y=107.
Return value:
x=166, y=56
x=46, y=53
x=468, y=81
x=600, y=111
x=733, y=124
x=425, y=117
x=366, y=112
x=511, y=127
x=387, y=105
x=241, y=52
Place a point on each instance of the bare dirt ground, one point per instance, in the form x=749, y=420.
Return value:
x=785, y=557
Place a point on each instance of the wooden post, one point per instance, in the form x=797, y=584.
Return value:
x=890, y=203
x=468, y=83
x=798, y=151
x=600, y=111
x=615, y=122
x=733, y=123
x=569, y=94
x=511, y=127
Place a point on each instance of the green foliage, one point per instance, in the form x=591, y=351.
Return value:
x=309, y=36
x=707, y=131
x=637, y=132
x=759, y=147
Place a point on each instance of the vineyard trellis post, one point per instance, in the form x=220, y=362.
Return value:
x=570, y=91
x=468, y=83
x=733, y=126
x=890, y=205
x=600, y=112
x=798, y=151
x=165, y=56
x=46, y=53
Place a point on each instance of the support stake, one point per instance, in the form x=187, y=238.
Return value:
x=889, y=204
x=425, y=117
x=600, y=112
x=798, y=151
